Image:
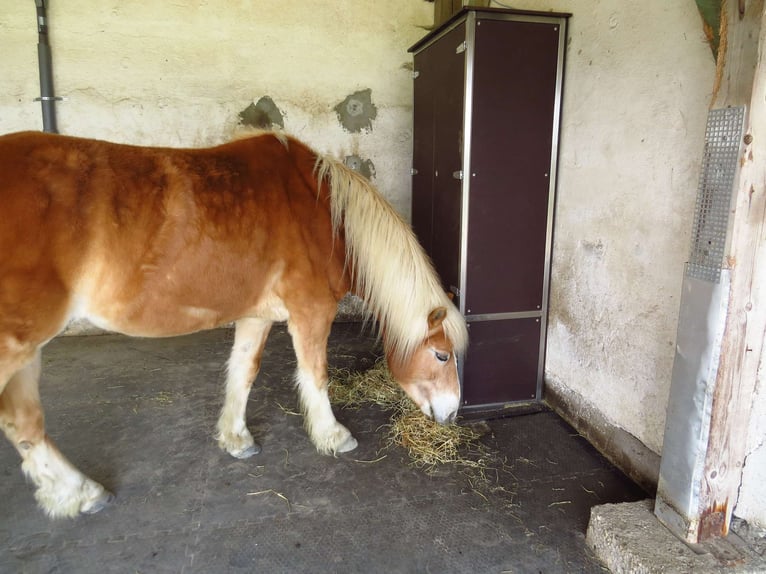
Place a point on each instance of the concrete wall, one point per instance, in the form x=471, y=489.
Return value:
x=180, y=73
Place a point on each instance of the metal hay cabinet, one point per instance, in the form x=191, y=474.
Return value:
x=487, y=98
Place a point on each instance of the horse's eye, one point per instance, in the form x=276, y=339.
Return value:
x=442, y=357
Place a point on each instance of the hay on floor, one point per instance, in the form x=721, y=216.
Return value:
x=355, y=389
x=429, y=444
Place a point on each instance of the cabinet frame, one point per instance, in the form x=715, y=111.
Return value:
x=471, y=18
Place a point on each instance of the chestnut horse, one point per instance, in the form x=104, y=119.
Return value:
x=156, y=242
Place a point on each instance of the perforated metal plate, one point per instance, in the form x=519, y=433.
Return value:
x=711, y=213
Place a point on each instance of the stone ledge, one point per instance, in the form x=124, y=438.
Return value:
x=629, y=539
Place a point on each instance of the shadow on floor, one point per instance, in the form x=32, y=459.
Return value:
x=138, y=415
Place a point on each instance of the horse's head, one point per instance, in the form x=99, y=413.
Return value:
x=430, y=376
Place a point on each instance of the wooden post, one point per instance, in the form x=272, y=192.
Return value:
x=743, y=83
x=722, y=322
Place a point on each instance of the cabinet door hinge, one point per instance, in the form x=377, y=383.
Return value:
x=458, y=174
x=415, y=74
x=460, y=47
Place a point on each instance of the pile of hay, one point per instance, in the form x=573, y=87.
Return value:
x=429, y=444
x=375, y=386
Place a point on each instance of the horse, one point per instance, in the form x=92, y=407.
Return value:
x=158, y=242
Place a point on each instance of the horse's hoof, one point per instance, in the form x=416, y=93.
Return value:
x=348, y=445
x=99, y=504
x=252, y=450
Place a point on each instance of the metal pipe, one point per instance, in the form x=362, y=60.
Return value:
x=47, y=99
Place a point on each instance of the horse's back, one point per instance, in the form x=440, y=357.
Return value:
x=159, y=241
x=65, y=196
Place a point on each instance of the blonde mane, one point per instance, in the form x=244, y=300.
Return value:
x=390, y=270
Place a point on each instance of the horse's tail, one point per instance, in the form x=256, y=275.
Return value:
x=390, y=270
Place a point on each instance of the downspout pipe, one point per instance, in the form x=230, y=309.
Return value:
x=47, y=99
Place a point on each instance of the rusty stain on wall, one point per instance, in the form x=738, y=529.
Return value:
x=363, y=166
x=357, y=111
x=262, y=115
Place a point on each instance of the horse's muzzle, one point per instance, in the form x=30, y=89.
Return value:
x=447, y=419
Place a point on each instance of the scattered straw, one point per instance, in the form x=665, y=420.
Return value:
x=163, y=398
x=371, y=461
x=590, y=491
x=286, y=410
x=429, y=444
x=275, y=493
x=287, y=457
x=256, y=475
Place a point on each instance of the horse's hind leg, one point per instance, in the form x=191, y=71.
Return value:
x=61, y=490
x=310, y=333
x=245, y=361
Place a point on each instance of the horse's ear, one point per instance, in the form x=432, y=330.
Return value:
x=436, y=317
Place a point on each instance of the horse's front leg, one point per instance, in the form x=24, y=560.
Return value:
x=310, y=334
x=244, y=362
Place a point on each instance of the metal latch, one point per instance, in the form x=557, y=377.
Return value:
x=458, y=174
x=413, y=171
x=415, y=74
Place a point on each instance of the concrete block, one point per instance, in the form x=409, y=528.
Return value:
x=629, y=539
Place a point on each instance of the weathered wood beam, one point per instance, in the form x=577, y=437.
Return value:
x=738, y=52
x=743, y=83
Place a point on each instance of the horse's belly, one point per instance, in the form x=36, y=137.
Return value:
x=272, y=308
x=156, y=317
x=168, y=322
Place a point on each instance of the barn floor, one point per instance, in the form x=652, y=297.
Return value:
x=138, y=415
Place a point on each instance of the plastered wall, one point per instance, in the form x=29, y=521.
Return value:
x=183, y=73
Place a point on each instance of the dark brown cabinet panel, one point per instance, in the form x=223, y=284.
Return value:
x=503, y=358
x=487, y=93
x=437, y=221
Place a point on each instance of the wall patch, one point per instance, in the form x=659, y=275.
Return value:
x=362, y=166
x=357, y=111
x=262, y=115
